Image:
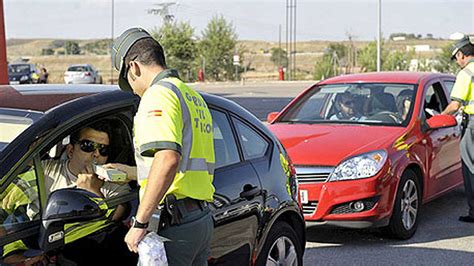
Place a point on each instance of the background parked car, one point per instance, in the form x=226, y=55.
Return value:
x=22, y=73
x=377, y=166
x=257, y=217
x=82, y=74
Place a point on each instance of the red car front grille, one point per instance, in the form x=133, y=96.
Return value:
x=310, y=207
x=311, y=175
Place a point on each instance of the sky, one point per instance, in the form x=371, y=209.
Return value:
x=252, y=19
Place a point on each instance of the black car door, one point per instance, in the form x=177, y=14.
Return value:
x=19, y=207
x=237, y=199
x=22, y=191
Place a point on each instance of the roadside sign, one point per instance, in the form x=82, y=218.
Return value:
x=236, y=60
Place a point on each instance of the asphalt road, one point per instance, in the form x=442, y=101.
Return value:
x=440, y=239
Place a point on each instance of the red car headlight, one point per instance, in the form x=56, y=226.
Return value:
x=361, y=166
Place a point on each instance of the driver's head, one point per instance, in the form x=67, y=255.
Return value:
x=345, y=104
x=89, y=145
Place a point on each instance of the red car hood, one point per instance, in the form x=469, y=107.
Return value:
x=329, y=144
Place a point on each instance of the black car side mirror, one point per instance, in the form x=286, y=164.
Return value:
x=64, y=206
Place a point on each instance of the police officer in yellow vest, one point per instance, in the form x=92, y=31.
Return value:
x=462, y=95
x=174, y=150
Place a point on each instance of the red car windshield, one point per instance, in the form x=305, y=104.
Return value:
x=364, y=103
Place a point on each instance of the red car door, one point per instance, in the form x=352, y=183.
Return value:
x=443, y=158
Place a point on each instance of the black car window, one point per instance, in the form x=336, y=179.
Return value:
x=253, y=145
x=225, y=147
x=55, y=156
x=19, y=202
x=21, y=68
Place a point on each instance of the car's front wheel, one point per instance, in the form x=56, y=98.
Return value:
x=406, y=210
x=281, y=247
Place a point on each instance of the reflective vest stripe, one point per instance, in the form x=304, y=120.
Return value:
x=470, y=73
x=187, y=163
x=27, y=186
x=200, y=164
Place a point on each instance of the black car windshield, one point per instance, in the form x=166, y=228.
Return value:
x=359, y=103
x=13, y=123
x=21, y=68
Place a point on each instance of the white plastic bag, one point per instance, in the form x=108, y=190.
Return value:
x=151, y=251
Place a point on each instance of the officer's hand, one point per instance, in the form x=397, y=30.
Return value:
x=133, y=237
x=130, y=170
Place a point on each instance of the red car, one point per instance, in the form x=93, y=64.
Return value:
x=369, y=149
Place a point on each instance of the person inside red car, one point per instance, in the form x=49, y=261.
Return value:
x=403, y=102
x=345, y=106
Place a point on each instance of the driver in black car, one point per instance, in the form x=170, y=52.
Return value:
x=345, y=106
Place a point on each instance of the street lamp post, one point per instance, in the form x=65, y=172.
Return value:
x=287, y=43
x=111, y=44
x=379, y=33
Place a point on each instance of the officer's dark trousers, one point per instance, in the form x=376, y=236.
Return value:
x=467, y=156
x=468, y=187
x=190, y=241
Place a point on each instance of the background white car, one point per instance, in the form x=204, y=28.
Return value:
x=82, y=74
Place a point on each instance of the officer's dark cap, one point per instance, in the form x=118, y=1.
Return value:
x=464, y=41
x=120, y=49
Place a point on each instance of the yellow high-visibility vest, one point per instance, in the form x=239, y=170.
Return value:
x=463, y=90
x=173, y=116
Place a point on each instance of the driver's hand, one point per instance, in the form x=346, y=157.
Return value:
x=89, y=181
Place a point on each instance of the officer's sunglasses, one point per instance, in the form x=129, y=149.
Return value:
x=90, y=146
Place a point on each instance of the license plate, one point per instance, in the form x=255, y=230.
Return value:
x=14, y=82
x=304, y=196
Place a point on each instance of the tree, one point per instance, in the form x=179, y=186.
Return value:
x=340, y=49
x=424, y=65
x=279, y=57
x=398, y=61
x=218, y=46
x=324, y=68
x=443, y=62
x=100, y=47
x=47, y=51
x=180, y=47
x=72, y=47
x=367, y=57
x=335, y=57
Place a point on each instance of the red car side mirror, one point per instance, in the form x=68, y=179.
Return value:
x=271, y=116
x=441, y=121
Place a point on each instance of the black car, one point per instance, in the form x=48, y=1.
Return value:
x=22, y=73
x=257, y=216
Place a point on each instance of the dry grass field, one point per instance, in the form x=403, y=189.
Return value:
x=256, y=55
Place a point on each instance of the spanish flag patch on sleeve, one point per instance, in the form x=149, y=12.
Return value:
x=155, y=113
